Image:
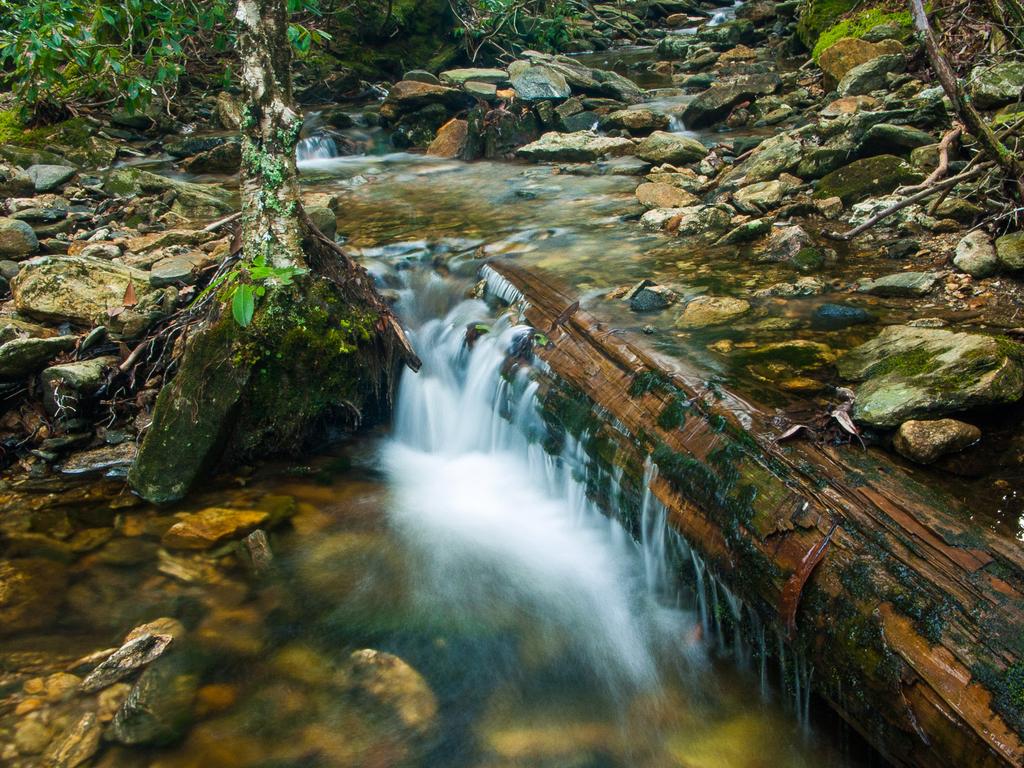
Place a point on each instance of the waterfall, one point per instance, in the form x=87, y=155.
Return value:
x=319, y=146
x=501, y=524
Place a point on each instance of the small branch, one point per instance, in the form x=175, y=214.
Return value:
x=214, y=226
x=943, y=167
x=939, y=187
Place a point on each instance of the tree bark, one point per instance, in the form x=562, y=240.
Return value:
x=962, y=105
x=911, y=616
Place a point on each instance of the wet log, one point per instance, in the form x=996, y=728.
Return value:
x=911, y=615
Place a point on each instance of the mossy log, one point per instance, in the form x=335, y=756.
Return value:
x=911, y=615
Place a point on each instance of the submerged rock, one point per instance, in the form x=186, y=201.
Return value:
x=158, y=710
x=205, y=529
x=649, y=297
x=31, y=592
x=927, y=441
x=901, y=285
x=913, y=373
x=394, y=688
x=705, y=311
x=581, y=146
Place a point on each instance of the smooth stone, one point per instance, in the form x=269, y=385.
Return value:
x=393, y=688
x=715, y=104
x=462, y=76
x=421, y=76
x=158, y=710
x=17, y=239
x=705, y=311
x=757, y=198
x=1010, y=251
x=105, y=251
x=914, y=373
x=901, y=285
x=663, y=147
x=112, y=460
x=976, y=255
x=23, y=357
x=580, y=146
x=205, y=529
x=46, y=178
x=927, y=441
x=662, y=195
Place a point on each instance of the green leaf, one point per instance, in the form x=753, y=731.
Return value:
x=243, y=305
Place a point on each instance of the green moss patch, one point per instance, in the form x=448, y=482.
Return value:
x=859, y=24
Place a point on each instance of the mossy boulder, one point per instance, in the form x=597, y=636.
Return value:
x=190, y=200
x=995, y=86
x=871, y=75
x=1010, y=251
x=816, y=16
x=23, y=357
x=914, y=373
x=849, y=52
x=870, y=176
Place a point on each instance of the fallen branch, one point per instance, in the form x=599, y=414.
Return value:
x=943, y=166
x=884, y=214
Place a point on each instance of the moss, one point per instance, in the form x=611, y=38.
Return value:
x=818, y=15
x=859, y=24
x=673, y=415
x=648, y=381
x=1007, y=687
x=916, y=362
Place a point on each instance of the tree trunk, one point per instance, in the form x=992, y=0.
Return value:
x=322, y=348
x=912, y=617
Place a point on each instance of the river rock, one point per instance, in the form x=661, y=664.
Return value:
x=584, y=79
x=884, y=138
x=478, y=74
x=832, y=317
x=409, y=96
x=181, y=268
x=46, y=178
x=88, y=292
x=870, y=176
x=757, y=198
x=158, y=710
x=715, y=104
x=772, y=157
x=1010, y=251
x=650, y=297
x=394, y=689
x=450, y=141
x=581, y=146
x=14, y=181
x=536, y=82
x=190, y=200
x=17, y=240
x=205, y=529
x=187, y=146
x=664, y=147
x=226, y=158
x=995, y=86
x=67, y=386
x=637, y=120
x=849, y=52
x=77, y=745
x=31, y=592
x=926, y=441
x=901, y=285
x=112, y=460
x=31, y=737
x=914, y=373
x=23, y=357
x=705, y=311
x=849, y=105
x=870, y=76
x=662, y=195
x=976, y=255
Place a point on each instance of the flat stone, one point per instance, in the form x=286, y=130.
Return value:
x=226, y=158
x=486, y=91
x=409, y=96
x=580, y=146
x=23, y=357
x=46, y=178
x=421, y=76
x=181, y=268
x=662, y=195
x=915, y=373
x=190, y=200
x=901, y=285
x=663, y=147
x=112, y=460
x=705, y=311
x=835, y=316
x=462, y=76
x=205, y=529
x=849, y=105
x=976, y=255
x=927, y=441
x=67, y=386
x=746, y=232
x=870, y=76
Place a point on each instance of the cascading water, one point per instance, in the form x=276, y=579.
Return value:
x=318, y=146
x=500, y=522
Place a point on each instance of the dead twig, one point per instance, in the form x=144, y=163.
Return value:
x=943, y=166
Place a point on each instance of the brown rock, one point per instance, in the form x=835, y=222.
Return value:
x=31, y=591
x=450, y=140
x=706, y=311
x=663, y=195
x=212, y=526
x=848, y=105
x=849, y=52
x=926, y=441
x=739, y=53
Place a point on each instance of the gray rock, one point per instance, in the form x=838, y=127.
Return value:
x=649, y=297
x=158, y=710
x=178, y=268
x=14, y=182
x=870, y=76
x=926, y=441
x=760, y=197
x=900, y=285
x=23, y=357
x=112, y=460
x=421, y=76
x=995, y=86
x=475, y=74
x=47, y=178
x=746, y=232
x=976, y=255
x=190, y=200
x=636, y=120
x=913, y=373
x=17, y=240
x=771, y=158
x=673, y=148
x=715, y=104
x=106, y=251
x=325, y=220
x=883, y=138
x=66, y=387
x=580, y=146
x=1010, y=250
x=535, y=82
x=835, y=316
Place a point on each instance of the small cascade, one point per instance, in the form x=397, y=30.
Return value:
x=319, y=146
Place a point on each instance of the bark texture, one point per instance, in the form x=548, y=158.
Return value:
x=912, y=616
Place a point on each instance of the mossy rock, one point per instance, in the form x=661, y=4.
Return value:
x=877, y=175
x=860, y=24
x=818, y=15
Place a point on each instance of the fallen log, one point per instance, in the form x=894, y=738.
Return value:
x=911, y=615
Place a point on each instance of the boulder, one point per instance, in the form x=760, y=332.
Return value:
x=31, y=592
x=928, y=440
x=900, y=285
x=1010, y=251
x=995, y=86
x=883, y=138
x=772, y=157
x=715, y=104
x=14, y=182
x=705, y=311
x=637, y=120
x=584, y=79
x=760, y=197
x=673, y=148
x=914, y=373
x=870, y=76
x=88, y=292
x=212, y=526
x=67, y=386
x=870, y=176
x=581, y=146
x=976, y=255
x=17, y=240
x=394, y=689
x=411, y=96
x=450, y=141
x=475, y=74
x=536, y=82
x=46, y=178
x=849, y=52
x=662, y=195
x=226, y=158
x=23, y=357
x=190, y=200
x=158, y=709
